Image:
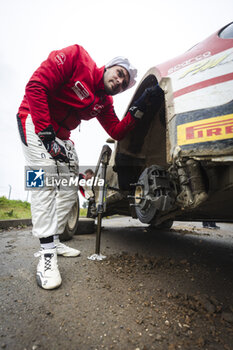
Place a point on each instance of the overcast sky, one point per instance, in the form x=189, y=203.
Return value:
x=148, y=32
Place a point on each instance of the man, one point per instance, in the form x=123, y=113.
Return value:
x=89, y=194
x=68, y=87
x=86, y=190
x=89, y=173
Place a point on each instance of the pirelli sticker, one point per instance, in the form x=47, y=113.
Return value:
x=211, y=129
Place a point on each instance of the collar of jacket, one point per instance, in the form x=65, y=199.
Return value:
x=99, y=79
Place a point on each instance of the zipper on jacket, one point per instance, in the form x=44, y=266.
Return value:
x=61, y=123
x=69, y=113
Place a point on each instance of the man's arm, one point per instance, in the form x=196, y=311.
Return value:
x=51, y=74
x=118, y=129
x=113, y=126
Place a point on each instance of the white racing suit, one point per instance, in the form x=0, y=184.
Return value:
x=49, y=206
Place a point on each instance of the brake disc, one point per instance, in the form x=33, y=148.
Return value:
x=152, y=193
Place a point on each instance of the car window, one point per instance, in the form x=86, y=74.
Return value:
x=227, y=32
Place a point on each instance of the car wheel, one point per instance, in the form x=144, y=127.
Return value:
x=72, y=223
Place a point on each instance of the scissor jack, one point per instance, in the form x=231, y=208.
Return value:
x=101, y=207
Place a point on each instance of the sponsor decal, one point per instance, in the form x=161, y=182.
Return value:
x=189, y=61
x=211, y=63
x=60, y=58
x=80, y=90
x=96, y=110
x=211, y=129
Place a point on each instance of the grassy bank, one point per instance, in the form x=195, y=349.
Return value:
x=14, y=209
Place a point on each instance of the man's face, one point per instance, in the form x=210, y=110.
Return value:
x=88, y=176
x=116, y=79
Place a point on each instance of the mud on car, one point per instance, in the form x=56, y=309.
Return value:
x=177, y=164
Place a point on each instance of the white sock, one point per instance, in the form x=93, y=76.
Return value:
x=50, y=245
x=56, y=239
x=47, y=242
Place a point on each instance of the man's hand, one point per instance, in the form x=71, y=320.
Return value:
x=150, y=97
x=56, y=150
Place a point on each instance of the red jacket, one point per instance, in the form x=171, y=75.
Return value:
x=67, y=88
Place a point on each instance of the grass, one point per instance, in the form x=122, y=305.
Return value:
x=17, y=209
x=83, y=212
x=14, y=209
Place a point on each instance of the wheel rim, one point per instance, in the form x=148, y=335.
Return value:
x=72, y=219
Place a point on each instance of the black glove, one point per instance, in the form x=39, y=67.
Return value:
x=56, y=150
x=151, y=96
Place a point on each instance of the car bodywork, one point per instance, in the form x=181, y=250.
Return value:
x=177, y=164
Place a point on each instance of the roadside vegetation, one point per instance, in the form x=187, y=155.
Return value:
x=14, y=209
x=17, y=209
x=83, y=212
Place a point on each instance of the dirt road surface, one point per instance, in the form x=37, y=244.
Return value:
x=157, y=290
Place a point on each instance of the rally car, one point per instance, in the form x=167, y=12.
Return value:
x=177, y=164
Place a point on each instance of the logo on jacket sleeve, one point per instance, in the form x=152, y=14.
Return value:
x=97, y=109
x=80, y=90
x=60, y=58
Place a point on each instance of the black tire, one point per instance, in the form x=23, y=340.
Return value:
x=85, y=226
x=165, y=225
x=146, y=215
x=72, y=223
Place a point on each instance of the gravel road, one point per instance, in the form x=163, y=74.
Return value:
x=157, y=290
